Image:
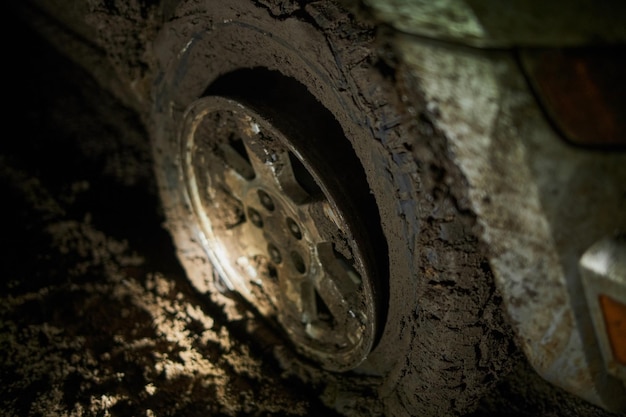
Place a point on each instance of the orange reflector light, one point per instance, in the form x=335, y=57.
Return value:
x=614, y=314
x=583, y=92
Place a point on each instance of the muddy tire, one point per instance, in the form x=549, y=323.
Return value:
x=422, y=330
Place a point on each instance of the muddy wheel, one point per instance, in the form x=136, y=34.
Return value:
x=276, y=215
x=292, y=173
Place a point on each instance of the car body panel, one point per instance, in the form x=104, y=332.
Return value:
x=541, y=203
x=504, y=24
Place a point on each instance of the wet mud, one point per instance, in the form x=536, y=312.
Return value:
x=97, y=317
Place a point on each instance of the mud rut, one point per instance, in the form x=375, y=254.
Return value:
x=96, y=315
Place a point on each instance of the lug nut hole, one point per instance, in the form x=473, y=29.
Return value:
x=294, y=228
x=298, y=262
x=266, y=200
x=274, y=253
x=255, y=217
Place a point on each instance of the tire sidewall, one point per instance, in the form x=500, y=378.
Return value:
x=258, y=40
x=209, y=39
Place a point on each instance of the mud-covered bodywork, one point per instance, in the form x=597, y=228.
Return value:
x=511, y=24
x=539, y=202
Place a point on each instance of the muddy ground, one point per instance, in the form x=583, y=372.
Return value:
x=96, y=315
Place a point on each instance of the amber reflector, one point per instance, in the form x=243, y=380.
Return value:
x=583, y=90
x=614, y=314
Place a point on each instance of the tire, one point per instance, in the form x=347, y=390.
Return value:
x=430, y=337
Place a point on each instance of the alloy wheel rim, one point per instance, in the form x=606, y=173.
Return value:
x=273, y=230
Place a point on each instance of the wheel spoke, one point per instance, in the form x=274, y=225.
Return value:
x=326, y=302
x=274, y=166
x=235, y=183
x=220, y=204
x=325, y=223
x=237, y=161
x=338, y=282
x=309, y=308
